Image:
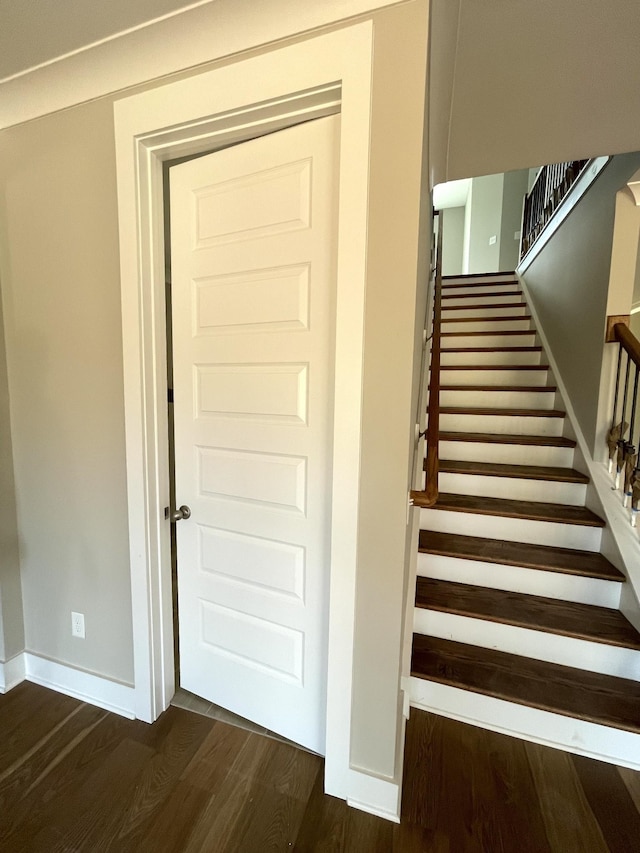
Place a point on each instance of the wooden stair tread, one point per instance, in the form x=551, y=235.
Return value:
x=535, y=612
x=501, y=438
x=481, y=295
x=533, y=510
x=602, y=699
x=542, y=557
x=484, y=305
x=487, y=334
x=491, y=349
x=524, y=472
x=524, y=367
x=485, y=319
x=510, y=412
x=536, y=388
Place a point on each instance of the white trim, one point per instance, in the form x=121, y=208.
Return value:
x=199, y=34
x=12, y=673
x=195, y=115
x=567, y=204
x=85, y=686
x=379, y=797
x=580, y=737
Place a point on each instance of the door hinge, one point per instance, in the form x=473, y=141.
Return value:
x=169, y=395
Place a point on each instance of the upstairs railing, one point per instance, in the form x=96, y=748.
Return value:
x=623, y=438
x=550, y=187
x=429, y=495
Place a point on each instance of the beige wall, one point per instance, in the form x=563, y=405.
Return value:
x=569, y=284
x=387, y=441
x=443, y=35
x=11, y=625
x=61, y=294
x=62, y=314
x=534, y=83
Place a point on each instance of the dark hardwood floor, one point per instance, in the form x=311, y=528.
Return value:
x=75, y=778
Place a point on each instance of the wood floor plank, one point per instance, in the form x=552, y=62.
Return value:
x=568, y=819
x=187, y=783
x=323, y=825
x=610, y=802
x=565, y=618
x=279, y=798
x=542, y=557
x=183, y=735
x=601, y=699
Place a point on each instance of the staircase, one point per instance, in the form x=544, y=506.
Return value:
x=516, y=624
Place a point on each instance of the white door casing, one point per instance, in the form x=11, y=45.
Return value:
x=191, y=116
x=253, y=294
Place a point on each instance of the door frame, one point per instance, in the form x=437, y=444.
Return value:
x=320, y=76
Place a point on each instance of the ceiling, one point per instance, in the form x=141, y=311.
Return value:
x=33, y=32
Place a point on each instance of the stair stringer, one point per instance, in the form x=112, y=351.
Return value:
x=620, y=542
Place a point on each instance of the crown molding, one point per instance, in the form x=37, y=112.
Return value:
x=200, y=34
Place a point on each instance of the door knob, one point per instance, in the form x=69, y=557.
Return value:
x=180, y=513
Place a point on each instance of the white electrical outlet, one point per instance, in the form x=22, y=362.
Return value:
x=492, y=240
x=77, y=625
x=516, y=235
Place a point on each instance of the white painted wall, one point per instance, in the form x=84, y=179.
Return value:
x=529, y=83
x=452, y=240
x=485, y=215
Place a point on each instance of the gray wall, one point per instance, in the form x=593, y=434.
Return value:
x=452, y=240
x=484, y=212
x=11, y=624
x=569, y=283
x=514, y=190
x=527, y=83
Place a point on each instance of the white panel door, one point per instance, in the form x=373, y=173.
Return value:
x=253, y=271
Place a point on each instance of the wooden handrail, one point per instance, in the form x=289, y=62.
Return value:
x=429, y=496
x=628, y=342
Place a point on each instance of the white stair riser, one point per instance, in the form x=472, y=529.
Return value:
x=551, y=533
x=451, y=325
x=490, y=357
x=514, y=488
x=557, y=585
x=553, y=648
x=522, y=339
x=508, y=454
x=449, y=375
x=556, y=730
x=509, y=424
x=478, y=299
x=449, y=313
x=499, y=399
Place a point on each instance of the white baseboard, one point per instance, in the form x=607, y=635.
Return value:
x=12, y=672
x=376, y=796
x=85, y=686
x=613, y=746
